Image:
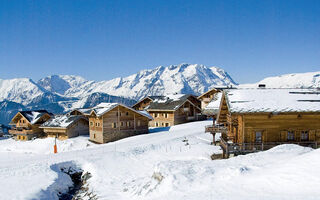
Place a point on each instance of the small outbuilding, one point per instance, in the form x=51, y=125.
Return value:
x=66, y=126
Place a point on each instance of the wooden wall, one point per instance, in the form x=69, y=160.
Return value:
x=143, y=104
x=162, y=118
x=127, y=123
x=274, y=128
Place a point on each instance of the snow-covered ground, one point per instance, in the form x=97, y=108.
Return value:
x=169, y=163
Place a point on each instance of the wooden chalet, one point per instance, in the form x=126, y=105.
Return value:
x=208, y=96
x=113, y=121
x=172, y=109
x=26, y=124
x=258, y=119
x=66, y=126
x=211, y=95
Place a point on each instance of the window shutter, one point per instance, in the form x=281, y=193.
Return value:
x=264, y=133
x=318, y=135
x=312, y=135
x=253, y=136
x=298, y=135
x=283, y=136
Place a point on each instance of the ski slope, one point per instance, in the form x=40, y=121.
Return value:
x=165, y=164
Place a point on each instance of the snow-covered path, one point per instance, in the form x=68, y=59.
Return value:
x=172, y=164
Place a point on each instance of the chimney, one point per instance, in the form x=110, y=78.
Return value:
x=262, y=86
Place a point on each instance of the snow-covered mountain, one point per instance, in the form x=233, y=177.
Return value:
x=297, y=80
x=61, y=93
x=184, y=78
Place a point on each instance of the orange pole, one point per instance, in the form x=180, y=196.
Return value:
x=55, y=150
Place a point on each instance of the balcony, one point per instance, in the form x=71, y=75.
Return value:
x=244, y=148
x=21, y=131
x=215, y=129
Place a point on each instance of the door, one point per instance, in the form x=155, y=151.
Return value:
x=258, y=136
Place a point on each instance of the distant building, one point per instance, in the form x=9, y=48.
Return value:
x=113, y=121
x=25, y=124
x=66, y=126
x=171, y=109
x=211, y=95
x=260, y=118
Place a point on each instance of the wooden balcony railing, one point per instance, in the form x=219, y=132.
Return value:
x=215, y=129
x=23, y=131
x=243, y=148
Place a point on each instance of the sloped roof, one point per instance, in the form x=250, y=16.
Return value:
x=213, y=107
x=170, y=102
x=103, y=108
x=216, y=88
x=273, y=100
x=62, y=121
x=33, y=116
x=152, y=98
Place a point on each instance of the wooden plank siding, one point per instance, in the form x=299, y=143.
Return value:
x=274, y=128
x=80, y=127
x=117, y=123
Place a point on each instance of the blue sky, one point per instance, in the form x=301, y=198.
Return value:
x=101, y=40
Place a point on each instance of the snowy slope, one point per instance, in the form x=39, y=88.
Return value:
x=298, y=80
x=61, y=83
x=173, y=164
x=20, y=90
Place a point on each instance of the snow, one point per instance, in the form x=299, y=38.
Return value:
x=215, y=103
x=273, y=100
x=61, y=121
x=34, y=116
x=170, y=163
x=297, y=80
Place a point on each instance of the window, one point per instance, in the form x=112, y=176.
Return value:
x=23, y=121
x=156, y=115
x=258, y=136
x=98, y=124
x=167, y=124
x=127, y=113
x=290, y=136
x=304, y=135
x=114, y=125
x=122, y=123
x=162, y=124
x=128, y=124
x=91, y=123
x=157, y=124
x=139, y=123
x=94, y=136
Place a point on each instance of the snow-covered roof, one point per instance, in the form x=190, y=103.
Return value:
x=170, y=102
x=273, y=100
x=62, y=121
x=103, y=108
x=214, y=105
x=33, y=116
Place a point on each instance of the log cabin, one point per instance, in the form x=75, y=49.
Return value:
x=174, y=109
x=211, y=95
x=66, y=126
x=258, y=119
x=26, y=124
x=113, y=121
